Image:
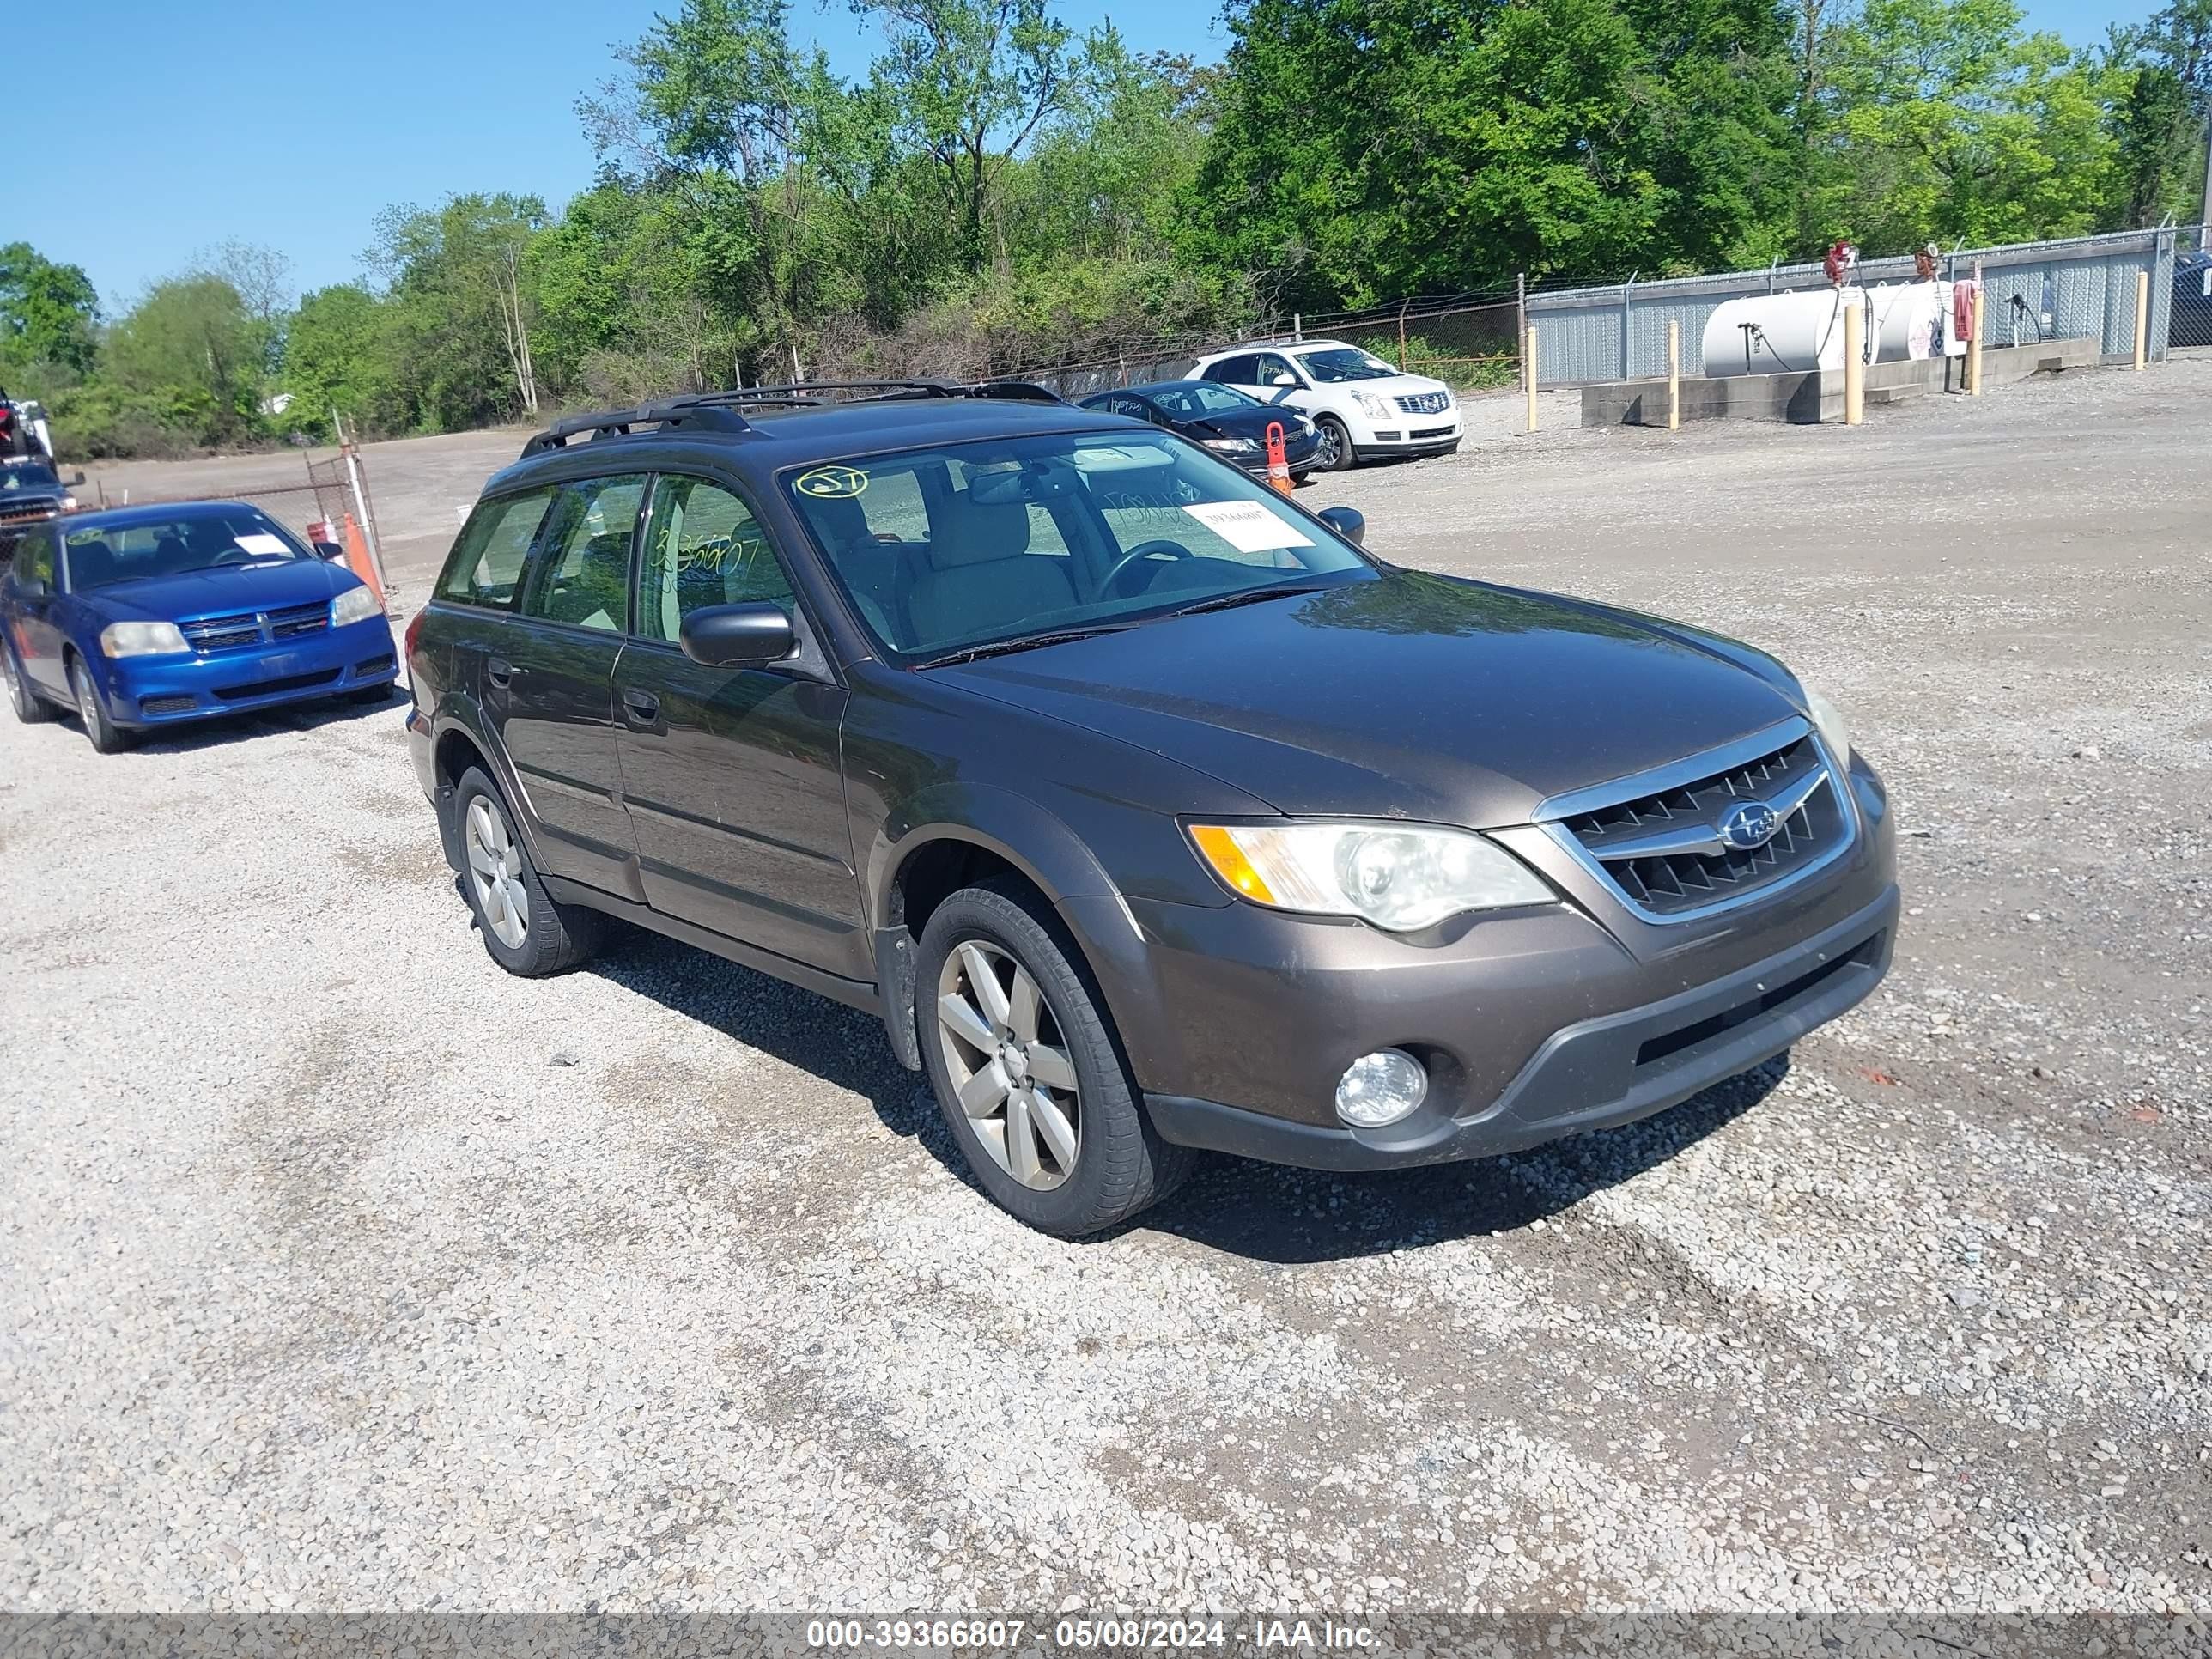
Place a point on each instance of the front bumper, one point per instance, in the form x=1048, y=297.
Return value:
x=1406, y=435
x=1533, y=1024
x=1590, y=1075
x=150, y=691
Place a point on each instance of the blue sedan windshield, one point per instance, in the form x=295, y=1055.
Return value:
x=202, y=539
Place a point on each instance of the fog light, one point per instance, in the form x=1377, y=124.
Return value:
x=1381, y=1088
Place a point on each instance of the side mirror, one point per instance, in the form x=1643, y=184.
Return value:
x=77, y=477
x=330, y=551
x=738, y=635
x=1348, y=522
x=1283, y=378
x=30, y=587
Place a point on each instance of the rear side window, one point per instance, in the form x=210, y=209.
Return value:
x=1231, y=371
x=486, y=566
x=581, y=574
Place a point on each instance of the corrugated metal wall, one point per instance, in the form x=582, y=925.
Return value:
x=2087, y=284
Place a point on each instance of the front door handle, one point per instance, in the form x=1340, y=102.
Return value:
x=644, y=707
x=498, y=672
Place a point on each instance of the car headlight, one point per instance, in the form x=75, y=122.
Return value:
x=69, y=504
x=142, y=639
x=354, y=605
x=1400, y=876
x=1829, y=719
x=1377, y=407
x=1231, y=446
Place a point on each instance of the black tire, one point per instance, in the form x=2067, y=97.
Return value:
x=554, y=938
x=30, y=707
x=1121, y=1166
x=1336, y=453
x=106, y=737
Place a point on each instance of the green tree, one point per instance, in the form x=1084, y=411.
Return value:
x=1947, y=121
x=461, y=314
x=192, y=350
x=339, y=353
x=2162, y=101
x=49, y=314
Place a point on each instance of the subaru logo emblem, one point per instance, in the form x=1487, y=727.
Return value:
x=1750, y=826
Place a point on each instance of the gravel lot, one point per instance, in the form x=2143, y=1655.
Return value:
x=339, y=1270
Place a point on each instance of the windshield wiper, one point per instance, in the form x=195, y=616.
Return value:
x=1023, y=642
x=1245, y=596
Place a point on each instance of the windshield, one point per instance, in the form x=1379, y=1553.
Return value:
x=946, y=549
x=1191, y=398
x=105, y=554
x=1338, y=363
x=28, y=476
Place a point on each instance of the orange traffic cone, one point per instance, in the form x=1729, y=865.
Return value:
x=357, y=559
x=1278, y=463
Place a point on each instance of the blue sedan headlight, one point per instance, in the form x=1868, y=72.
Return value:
x=142, y=639
x=354, y=605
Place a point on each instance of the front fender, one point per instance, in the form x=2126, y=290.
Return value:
x=1015, y=827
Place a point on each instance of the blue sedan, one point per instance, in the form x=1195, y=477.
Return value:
x=155, y=615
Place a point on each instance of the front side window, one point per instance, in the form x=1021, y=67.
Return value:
x=193, y=539
x=35, y=557
x=26, y=476
x=703, y=547
x=1273, y=369
x=1035, y=535
x=581, y=574
x=486, y=564
x=1337, y=364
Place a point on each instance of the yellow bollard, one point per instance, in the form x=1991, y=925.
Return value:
x=1854, y=368
x=1673, y=374
x=1529, y=374
x=2143, y=318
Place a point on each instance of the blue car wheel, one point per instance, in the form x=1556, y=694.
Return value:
x=106, y=737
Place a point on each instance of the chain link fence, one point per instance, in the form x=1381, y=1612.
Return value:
x=2191, y=323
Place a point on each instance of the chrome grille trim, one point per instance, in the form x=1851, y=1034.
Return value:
x=1792, y=800
x=1425, y=403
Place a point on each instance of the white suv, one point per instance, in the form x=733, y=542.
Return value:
x=1363, y=405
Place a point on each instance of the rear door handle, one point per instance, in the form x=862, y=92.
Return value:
x=644, y=707
x=498, y=672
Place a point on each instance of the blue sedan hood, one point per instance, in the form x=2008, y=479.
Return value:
x=221, y=592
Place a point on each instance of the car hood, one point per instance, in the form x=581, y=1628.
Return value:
x=1391, y=386
x=221, y=592
x=1251, y=424
x=1415, y=696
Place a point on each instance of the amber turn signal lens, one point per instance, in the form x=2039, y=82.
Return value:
x=1230, y=863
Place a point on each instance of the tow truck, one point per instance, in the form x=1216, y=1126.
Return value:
x=32, y=491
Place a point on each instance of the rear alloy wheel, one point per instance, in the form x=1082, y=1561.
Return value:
x=1026, y=1070
x=1334, y=453
x=525, y=931
x=30, y=707
x=106, y=737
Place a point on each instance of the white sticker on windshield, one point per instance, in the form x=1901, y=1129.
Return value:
x=260, y=541
x=1248, y=527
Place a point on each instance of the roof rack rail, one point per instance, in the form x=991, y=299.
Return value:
x=713, y=411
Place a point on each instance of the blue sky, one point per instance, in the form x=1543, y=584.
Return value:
x=292, y=125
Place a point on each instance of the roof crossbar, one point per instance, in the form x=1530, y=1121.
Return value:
x=713, y=411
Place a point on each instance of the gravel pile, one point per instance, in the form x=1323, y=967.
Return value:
x=339, y=1270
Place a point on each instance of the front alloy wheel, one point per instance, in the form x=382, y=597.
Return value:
x=495, y=872
x=1004, y=1055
